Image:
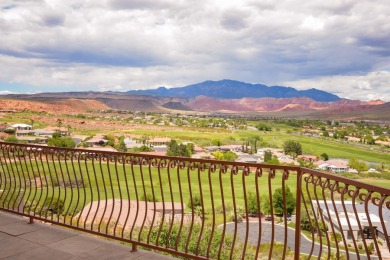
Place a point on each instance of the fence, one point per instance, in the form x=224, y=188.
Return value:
x=198, y=209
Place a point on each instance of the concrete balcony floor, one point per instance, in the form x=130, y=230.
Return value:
x=20, y=240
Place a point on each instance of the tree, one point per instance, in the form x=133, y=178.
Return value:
x=360, y=166
x=325, y=133
x=228, y=156
x=267, y=156
x=252, y=204
x=324, y=156
x=253, y=140
x=265, y=205
x=59, y=123
x=61, y=142
x=10, y=131
x=263, y=127
x=56, y=134
x=122, y=146
x=278, y=201
x=175, y=149
x=11, y=139
x=292, y=147
x=369, y=139
x=216, y=142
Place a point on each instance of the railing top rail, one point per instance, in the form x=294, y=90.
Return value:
x=356, y=183
x=151, y=156
x=298, y=169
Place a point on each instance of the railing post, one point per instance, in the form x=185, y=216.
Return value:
x=31, y=221
x=298, y=216
x=133, y=248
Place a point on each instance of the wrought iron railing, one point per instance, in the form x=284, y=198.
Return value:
x=197, y=208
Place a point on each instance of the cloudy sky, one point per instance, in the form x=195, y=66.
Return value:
x=339, y=46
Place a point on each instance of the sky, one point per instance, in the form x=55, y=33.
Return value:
x=342, y=46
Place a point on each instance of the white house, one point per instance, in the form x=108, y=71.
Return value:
x=21, y=127
x=333, y=214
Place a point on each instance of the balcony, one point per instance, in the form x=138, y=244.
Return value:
x=20, y=240
x=193, y=208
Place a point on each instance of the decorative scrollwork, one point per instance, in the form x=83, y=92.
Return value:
x=213, y=168
x=259, y=172
x=172, y=164
x=234, y=170
x=334, y=186
x=246, y=171
x=362, y=196
x=162, y=163
x=192, y=166
x=154, y=162
x=271, y=173
x=181, y=165
x=375, y=201
x=202, y=166
x=285, y=174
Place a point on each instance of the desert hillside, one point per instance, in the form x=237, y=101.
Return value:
x=68, y=106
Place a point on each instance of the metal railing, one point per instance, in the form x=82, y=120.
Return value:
x=195, y=208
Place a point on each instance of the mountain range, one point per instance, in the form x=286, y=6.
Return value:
x=225, y=96
x=231, y=89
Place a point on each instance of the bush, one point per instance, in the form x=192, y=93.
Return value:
x=10, y=131
x=335, y=236
x=252, y=204
x=235, y=217
x=52, y=205
x=149, y=198
x=196, y=202
x=371, y=248
x=360, y=246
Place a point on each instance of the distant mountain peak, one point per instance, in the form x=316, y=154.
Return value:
x=232, y=89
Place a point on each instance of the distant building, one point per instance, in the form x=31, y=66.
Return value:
x=336, y=166
x=21, y=127
x=334, y=214
x=159, y=141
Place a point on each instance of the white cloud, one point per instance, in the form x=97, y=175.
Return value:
x=65, y=45
x=371, y=86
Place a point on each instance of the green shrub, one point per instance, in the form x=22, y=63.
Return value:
x=149, y=198
x=195, y=202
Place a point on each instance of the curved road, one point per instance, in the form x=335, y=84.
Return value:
x=306, y=245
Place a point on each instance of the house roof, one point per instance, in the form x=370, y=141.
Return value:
x=373, y=213
x=160, y=140
x=21, y=125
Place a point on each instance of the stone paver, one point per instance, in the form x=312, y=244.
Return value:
x=20, y=240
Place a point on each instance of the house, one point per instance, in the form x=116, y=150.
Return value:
x=232, y=147
x=309, y=158
x=64, y=131
x=21, y=127
x=159, y=141
x=334, y=214
x=214, y=148
x=97, y=140
x=103, y=149
x=203, y=155
x=275, y=151
x=336, y=166
x=19, y=133
x=44, y=132
x=131, y=143
x=247, y=158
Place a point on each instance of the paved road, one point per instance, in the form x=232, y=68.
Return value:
x=306, y=245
